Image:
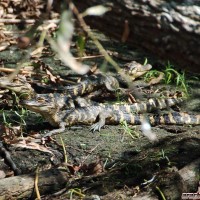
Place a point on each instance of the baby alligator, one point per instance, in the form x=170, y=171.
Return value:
x=89, y=84
x=107, y=114
x=92, y=83
x=89, y=115
x=135, y=69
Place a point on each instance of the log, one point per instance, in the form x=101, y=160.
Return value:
x=190, y=177
x=22, y=187
x=169, y=30
x=183, y=181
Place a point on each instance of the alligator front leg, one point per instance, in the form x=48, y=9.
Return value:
x=56, y=131
x=103, y=115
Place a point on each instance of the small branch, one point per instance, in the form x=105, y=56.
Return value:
x=36, y=183
x=26, y=21
x=9, y=70
x=89, y=57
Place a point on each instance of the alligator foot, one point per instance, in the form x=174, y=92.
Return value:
x=102, y=120
x=56, y=131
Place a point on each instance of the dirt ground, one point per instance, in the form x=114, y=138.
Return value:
x=129, y=158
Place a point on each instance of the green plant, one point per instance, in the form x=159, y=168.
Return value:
x=15, y=98
x=172, y=75
x=45, y=80
x=134, y=134
x=81, y=41
x=161, y=193
x=163, y=156
x=75, y=191
x=145, y=61
x=64, y=150
x=118, y=94
x=151, y=74
x=5, y=119
x=22, y=115
x=195, y=78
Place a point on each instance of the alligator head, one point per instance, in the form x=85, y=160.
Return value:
x=48, y=109
x=135, y=69
x=19, y=85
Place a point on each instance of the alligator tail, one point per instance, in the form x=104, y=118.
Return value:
x=174, y=118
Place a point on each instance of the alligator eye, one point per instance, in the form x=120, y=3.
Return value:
x=40, y=99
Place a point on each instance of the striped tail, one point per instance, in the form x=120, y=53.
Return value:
x=174, y=118
x=149, y=106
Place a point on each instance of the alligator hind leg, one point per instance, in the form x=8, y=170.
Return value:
x=101, y=122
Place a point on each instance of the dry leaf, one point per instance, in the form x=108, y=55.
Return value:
x=156, y=80
x=51, y=76
x=96, y=10
x=28, y=144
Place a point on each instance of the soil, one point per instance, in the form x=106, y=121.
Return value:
x=110, y=148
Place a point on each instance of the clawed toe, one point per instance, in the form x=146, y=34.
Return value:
x=95, y=127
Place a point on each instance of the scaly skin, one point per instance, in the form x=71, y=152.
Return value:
x=87, y=115
x=135, y=69
x=89, y=84
x=97, y=81
x=110, y=114
x=19, y=86
x=114, y=114
x=116, y=117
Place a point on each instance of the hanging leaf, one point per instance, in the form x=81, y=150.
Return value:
x=66, y=27
x=96, y=10
x=63, y=42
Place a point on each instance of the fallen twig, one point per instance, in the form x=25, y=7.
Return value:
x=9, y=70
x=27, y=21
